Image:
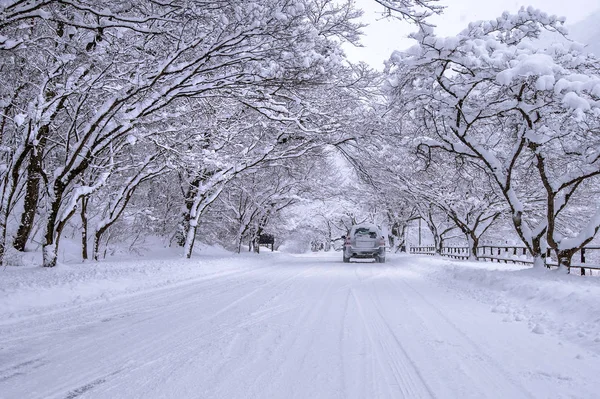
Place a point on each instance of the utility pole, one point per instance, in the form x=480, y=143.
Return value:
x=419, y=231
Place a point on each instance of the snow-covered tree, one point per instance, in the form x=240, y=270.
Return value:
x=250, y=202
x=498, y=97
x=465, y=195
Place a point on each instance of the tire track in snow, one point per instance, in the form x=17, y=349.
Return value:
x=149, y=348
x=404, y=374
x=343, y=348
x=400, y=360
x=291, y=369
x=358, y=368
x=464, y=356
x=69, y=323
x=190, y=347
x=488, y=364
x=308, y=343
x=188, y=351
x=90, y=312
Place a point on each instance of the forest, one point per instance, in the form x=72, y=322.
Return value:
x=221, y=121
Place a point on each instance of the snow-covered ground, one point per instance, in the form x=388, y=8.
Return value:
x=297, y=326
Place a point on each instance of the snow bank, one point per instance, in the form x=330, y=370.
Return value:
x=550, y=302
x=32, y=290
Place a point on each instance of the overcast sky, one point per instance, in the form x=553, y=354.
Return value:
x=382, y=36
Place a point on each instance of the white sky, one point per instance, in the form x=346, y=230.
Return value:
x=383, y=36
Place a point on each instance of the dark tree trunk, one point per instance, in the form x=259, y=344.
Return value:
x=394, y=237
x=474, y=241
x=96, y=249
x=84, y=228
x=32, y=192
x=401, y=245
x=239, y=244
x=190, y=194
x=190, y=241
x=257, y=240
x=438, y=242
x=2, y=239
x=97, y=238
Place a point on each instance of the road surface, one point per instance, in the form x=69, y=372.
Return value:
x=293, y=327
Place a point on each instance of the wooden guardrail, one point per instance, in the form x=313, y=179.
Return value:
x=587, y=260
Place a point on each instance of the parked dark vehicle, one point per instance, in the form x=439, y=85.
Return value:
x=364, y=241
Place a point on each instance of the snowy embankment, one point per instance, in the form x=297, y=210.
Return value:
x=549, y=302
x=30, y=290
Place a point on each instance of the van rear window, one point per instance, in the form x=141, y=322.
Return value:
x=364, y=231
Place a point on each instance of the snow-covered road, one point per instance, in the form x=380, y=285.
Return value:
x=291, y=327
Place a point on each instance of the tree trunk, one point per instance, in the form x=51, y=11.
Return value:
x=50, y=252
x=49, y=248
x=473, y=244
x=32, y=192
x=8, y=186
x=539, y=261
x=397, y=238
x=392, y=237
x=401, y=245
x=327, y=243
x=564, y=260
x=239, y=243
x=84, y=228
x=189, y=240
x=114, y=214
x=240, y=237
x=54, y=230
x=2, y=239
x=539, y=255
x=184, y=227
x=437, y=242
x=257, y=240
x=97, y=237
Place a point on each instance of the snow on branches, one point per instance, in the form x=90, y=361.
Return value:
x=416, y=11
